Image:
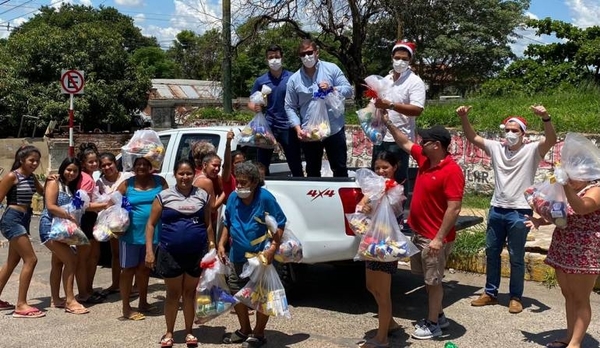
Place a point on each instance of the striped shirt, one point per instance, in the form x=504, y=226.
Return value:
x=23, y=191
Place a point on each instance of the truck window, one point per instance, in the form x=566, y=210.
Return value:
x=188, y=140
x=164, y=139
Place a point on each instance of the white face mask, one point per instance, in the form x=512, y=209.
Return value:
x=275, y=64
x=243, y=192
x=512, y=139
x=400, y=65
x=309, y=61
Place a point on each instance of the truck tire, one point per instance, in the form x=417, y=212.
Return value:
x=289, y=274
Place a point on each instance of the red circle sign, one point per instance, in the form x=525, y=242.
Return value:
x=72, y=81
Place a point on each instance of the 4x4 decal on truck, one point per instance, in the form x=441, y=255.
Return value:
x=320, y=193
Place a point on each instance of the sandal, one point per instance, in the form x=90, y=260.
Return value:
x=5, y=306
x=254, y=342
x=31, y=312
x=136, y=316
x=235, y=337
x=166, y=341
x=191, y=340
x=79, y=310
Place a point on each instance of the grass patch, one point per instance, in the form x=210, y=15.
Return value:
x=550, y=280
x=469, y=242
x=475, y=200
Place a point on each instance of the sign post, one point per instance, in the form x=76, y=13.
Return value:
x=71, y=82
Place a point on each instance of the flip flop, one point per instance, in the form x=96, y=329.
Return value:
x=235, y=337
x=557, y=344
x=94, y=299
x=371, y=343
x=80, y=310
x=32, y=312
x=5, y=306
x=191, y=340
x=136, y=316
x=166, y=341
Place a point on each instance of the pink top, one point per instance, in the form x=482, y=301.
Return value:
x=87, y=184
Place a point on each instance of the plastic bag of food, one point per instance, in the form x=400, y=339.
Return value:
x=114, y=220
x=335, y=101
x=549, y=201
x=371, y=122
x=318, y=127
x=145, y=143
x=212, y=294
x=68, y=231
x=258, y=133
x=579, y=160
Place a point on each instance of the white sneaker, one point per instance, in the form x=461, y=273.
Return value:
x=427, y=331
x=442, y=322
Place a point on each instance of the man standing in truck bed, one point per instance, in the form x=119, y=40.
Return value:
x=434, y=209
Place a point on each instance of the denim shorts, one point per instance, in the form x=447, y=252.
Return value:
x=132, y=255
x=45, y=226
x=15, y=223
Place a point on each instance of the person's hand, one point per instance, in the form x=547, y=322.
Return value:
x=539, y=110
x=463, y=111
x=366, y=209
x=385, y=117
x=435, y=246
x=255, y=107
x=532, y=222
x=230, y=135
x=382, y=103
x=150, y=259
x=324, y=85
x=269, y=255
x=53, y=177
x=301, y=134
x=221, y=253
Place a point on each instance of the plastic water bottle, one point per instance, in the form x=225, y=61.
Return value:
x=450, y=345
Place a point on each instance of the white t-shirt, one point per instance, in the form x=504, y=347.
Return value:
x=105, y=186
x=513, y=171
x=407, y=89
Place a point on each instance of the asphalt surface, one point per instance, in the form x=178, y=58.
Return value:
x=330, y=308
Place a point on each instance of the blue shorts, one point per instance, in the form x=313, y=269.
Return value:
x=45, y=226
x=132, y=255
x=15, y=223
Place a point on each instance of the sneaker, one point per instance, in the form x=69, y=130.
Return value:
x=442, y=322
x=484, y=300
x=515, y=306
x=427, y=331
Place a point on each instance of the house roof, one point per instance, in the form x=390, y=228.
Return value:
x=182, y=89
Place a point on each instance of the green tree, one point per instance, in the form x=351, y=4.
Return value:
x=115, y=88
x=198, y=56
x=155, y=61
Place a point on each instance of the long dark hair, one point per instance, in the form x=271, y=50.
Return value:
x=61, y=172
x=86, y=149
x=22, y=153
x=389, y=157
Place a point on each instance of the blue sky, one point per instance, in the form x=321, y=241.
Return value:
x=165, y=18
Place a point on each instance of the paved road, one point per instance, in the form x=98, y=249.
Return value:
x=330, y=309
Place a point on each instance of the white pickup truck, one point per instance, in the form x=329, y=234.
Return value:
x=315, y=207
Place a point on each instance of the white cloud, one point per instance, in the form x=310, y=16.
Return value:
x=527, y=37
x=139, y=18
x=86, y=2
x=17, y=22
x=58, y=5
x=586, y=13
x=131, y=3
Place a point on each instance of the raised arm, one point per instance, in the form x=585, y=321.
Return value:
x=401, y=139
x=226, y=175
x=463, y=114
x=549, y=138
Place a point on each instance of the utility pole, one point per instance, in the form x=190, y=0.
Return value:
x=226, y=76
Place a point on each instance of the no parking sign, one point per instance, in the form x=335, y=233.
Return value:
x=72, y=81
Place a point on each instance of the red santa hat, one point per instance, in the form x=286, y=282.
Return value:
x=518, y=120
x=411, y=47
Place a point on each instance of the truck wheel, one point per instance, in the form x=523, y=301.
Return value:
x=288, y=275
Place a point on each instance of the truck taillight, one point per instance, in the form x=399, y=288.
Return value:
x=350, y=198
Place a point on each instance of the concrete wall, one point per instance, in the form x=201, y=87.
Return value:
x=475, y=163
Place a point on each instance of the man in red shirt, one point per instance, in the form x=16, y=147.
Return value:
x=434, y=208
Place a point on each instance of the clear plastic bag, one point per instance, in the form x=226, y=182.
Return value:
x=114, y=220
x=326, y=171
x=378, y=87
x=264, y=291
x=371, y=184
x=67, y=231
x=213, y=297
x=371, y=122
x=579, y=160
x=258, y=133
x=359, y=222
x=335, y=102
x=144, y=143
x=549, y=201
x=318, y=127
x=384, y=240
x=290, y=247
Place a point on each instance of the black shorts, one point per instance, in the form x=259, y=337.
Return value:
x=171, y=266
x=386, y=267
x=234, y=281
x=88, y=220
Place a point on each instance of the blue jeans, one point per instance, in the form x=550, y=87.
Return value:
x=337, y=154
x=403, y=157
x=506, y=225
x=288, y=139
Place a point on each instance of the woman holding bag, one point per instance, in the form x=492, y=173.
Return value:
x=184, y=213
x=574, y=249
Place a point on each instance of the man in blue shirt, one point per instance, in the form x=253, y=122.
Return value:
x=316, y=74
x=276, y=78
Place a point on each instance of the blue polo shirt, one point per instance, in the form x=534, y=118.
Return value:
x=243, y=222
x=300, y=89
x=275, y=111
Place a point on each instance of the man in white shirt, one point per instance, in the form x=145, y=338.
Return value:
x=404, y=103
x=514, y=163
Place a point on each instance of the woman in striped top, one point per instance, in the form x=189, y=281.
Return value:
x=18, y=187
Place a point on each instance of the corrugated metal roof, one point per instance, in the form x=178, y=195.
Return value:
x=186, y=89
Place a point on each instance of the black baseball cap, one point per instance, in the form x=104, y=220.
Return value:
x=436, y=133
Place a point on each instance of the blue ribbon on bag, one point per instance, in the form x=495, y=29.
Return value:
x=322, y=93
x=125, y=204
x=77, y=201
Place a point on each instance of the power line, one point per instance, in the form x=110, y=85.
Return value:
x=17, y=6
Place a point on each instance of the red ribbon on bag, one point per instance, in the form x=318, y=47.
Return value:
x=208, y=264
x=389, y=184
x=370, y=93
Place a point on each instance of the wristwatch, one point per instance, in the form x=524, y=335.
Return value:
x=391, y=106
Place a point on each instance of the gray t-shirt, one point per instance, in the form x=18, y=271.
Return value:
x=513, y=172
